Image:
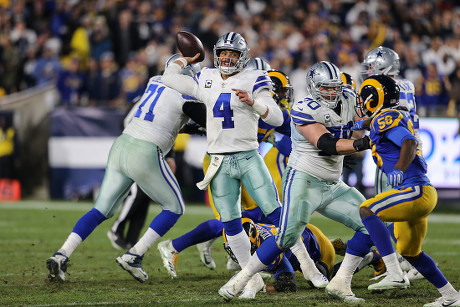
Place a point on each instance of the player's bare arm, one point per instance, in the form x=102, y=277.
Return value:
x=407, y=155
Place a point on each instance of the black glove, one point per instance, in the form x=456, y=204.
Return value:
x=362, y=144
x=191, y=128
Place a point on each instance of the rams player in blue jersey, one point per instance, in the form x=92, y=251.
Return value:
x=412, y=198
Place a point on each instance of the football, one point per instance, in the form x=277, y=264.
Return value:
x=189, y=45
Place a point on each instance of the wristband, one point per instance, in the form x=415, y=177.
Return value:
x=362, y=144
x=183, y=61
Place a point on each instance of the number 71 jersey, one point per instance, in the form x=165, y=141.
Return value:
x=158, y=115
x=231, y=125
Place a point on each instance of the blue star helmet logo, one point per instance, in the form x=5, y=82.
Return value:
x=379, y=54
x=312, y=73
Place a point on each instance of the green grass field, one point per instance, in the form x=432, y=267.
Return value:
x=31, y=231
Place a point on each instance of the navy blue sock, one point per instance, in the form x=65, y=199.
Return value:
x=427, y=267
x=88, y=222
x=274, y=217
x=268, y=251
x=379, y=234
x=256, y=215
x=163, y=222
x=205, y=231
x=359, y=244
x=234, y=227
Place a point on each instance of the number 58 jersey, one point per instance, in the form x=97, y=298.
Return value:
x=158, y=115
x=305, y=156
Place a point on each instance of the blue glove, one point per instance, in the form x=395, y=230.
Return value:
x=395, y=178
x=358, y=125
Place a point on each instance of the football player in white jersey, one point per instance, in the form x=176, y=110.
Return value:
x=320, y=133
x=235, y=99
x=136, y=156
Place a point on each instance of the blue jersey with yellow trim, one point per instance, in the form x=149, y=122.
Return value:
x=265, y=129
x=385, y=153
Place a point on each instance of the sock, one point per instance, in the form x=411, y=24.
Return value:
x=254, y=265
x=203, y=232
x=88, y=222
x=379, y=234
x=163, y=222
x=360, y=244
x=240, y=246
x=392, y=264
x=71, y=244
x=347, y=268
x=148, y=239
x=391, y=230
x=307, y=264
x=427, y=267
x=274, y=217
x=448, y=292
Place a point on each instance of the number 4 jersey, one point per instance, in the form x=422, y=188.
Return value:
x=161, y=130
x=305, y=156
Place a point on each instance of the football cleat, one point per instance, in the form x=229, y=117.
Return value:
x=132, y=264
x=339, y=290
x=57, y=266
x=319, y=281
x=254, y=285
x=340, y=248
x=413, y=274
x=390, y=282
x=205, y=251
x=117, y=241
x=235, y=285
x=169, y=257
x=442, y=302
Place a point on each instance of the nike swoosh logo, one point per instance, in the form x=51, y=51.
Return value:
x=249, y=157
x=301, y=109
x=444, y=304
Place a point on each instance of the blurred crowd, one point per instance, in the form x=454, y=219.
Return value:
x=102, y=52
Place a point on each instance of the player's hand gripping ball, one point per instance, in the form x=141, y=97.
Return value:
x=189, y=45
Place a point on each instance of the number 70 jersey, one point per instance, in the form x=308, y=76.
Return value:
x=231, y=124
x=158, y=115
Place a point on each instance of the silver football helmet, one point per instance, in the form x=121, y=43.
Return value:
x=259, y=63
x=231, y=41
x=324, y=82
x=190, y=70
x=381, y=61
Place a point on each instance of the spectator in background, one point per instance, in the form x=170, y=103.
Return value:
x=10, y=65
x=48, y=65
x=133, y=78
x=104, y=90
x=431, y=93
x=124, y=37
x=100, y=38
x=70, y=83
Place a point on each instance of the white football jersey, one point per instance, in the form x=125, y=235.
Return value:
x=305, y=156
x=158, y=115
x=231, y=124
x=407, y=100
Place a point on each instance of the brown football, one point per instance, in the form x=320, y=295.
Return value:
x=189, y=45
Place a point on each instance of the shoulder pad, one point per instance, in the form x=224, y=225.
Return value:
x=263, y=81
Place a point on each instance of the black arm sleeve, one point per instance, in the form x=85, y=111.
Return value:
x=196, y=111
x=327, y=144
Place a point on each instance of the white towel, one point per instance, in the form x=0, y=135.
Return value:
x=216, y=161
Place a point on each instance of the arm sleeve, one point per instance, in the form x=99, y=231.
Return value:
x=275, y=116
x=196, y=111
x=399, y=134
x=183, y=84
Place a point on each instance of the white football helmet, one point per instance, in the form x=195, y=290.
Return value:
x=259, y=63
x=231, y=41
x=324, y=82
x=190, y=70
x=381, y=61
